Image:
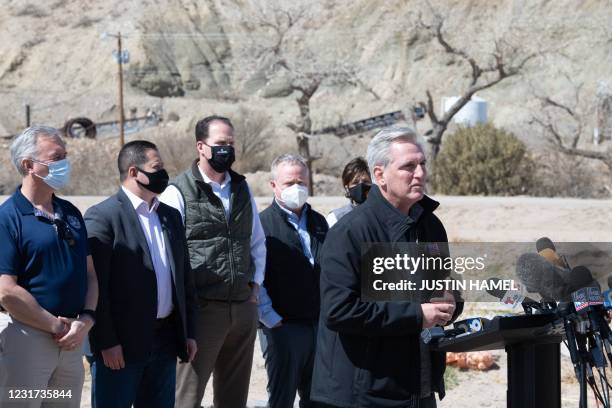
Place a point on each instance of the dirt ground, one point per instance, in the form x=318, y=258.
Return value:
x=480, y=219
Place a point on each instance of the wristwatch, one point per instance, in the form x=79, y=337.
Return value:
x=90, y=313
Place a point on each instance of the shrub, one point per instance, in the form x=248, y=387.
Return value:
x=482, y=160
x=561, y=175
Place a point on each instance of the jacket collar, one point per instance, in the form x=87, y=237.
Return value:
x=397, y=222
x=283, y=212
x=195, y=173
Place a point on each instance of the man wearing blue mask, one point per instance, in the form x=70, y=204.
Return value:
x=48, y=284
x=289, y=297
x=227, y=252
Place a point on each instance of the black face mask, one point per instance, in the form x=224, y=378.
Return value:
x=359, y=193
x=222, y=158
x=158, y=181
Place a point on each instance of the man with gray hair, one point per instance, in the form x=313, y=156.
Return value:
x=369, y=353
x=48, y=284
x=289, y=296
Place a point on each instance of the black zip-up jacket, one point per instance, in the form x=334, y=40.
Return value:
x=368, y=353
x=291, y=281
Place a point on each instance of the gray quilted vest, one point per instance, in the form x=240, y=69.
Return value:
x=219, y=249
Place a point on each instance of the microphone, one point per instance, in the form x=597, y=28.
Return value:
x=434, y=334
x=566, y=312
x=512, y=297
x=588, y=301
x=546, y=249
x=472, y=325
x=539, y=275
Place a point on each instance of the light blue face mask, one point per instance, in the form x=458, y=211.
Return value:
x=59, y=173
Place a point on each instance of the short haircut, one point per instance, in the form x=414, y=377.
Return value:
x=203, y=125
x=25, y=146
x=287, y=158
x=353, y=169
x=131, y=154
x=378, y=149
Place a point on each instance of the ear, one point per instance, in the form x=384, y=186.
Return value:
x=272, y=184
x=27, y=165
x=132, y=171
x=378, y=175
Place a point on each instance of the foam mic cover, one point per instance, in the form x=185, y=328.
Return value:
x=546, y=249
x=581, y=277
x=539, y=275
x=545, y=243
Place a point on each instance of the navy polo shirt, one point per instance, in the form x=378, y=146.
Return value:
x=49, y=257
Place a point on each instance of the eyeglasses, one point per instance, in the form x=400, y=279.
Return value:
x=63, y=232
x=62, y=229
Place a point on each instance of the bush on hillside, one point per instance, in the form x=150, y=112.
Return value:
x=482, y=160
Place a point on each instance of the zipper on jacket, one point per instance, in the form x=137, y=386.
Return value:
x=231, y=250
x=231, y=258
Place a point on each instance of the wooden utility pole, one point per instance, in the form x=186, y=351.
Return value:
x=121, y=113
x=27, y=115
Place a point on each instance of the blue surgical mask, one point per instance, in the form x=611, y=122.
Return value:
x=59, y=173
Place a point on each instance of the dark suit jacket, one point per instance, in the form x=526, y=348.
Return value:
x=127, y=304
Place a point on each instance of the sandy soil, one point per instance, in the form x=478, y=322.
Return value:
x=501, y=219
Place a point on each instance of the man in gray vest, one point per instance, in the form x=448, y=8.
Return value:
x=227, y=253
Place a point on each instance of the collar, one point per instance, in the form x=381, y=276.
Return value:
x=138, y=202
x=226, y=180
x=290, y=213
x=393, y=217
x=199, y=176
x=24, y=205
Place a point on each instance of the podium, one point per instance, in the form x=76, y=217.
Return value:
x=532, y=344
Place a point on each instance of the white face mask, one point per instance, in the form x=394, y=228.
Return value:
x=295, y=197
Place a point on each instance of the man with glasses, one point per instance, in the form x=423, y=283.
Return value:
x=48, y=284
x=227, y=252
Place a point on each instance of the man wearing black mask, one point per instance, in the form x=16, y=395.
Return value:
x=227, y=252
x=145, y=315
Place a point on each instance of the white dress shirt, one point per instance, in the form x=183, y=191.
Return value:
x=151, y=226
x=173, y=197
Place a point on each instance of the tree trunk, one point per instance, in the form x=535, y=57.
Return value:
x=303, y=141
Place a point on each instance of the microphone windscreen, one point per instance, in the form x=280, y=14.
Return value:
x=545, y=243
x=579, y=278
x=497, y=293
x=538, y=275
x=528, y=269
x=551, y=256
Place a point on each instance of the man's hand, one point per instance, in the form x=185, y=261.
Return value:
x=192, y=349
x=77, y=330
x=436, y=314
x=254, y=298
x=113, y=357
x=59, y=329
x=448, y=298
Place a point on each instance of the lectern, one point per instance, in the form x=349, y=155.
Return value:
x=532, y=344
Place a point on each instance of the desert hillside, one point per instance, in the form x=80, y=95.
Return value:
x=191, y=58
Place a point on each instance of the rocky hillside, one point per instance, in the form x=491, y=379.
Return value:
x=195, y=57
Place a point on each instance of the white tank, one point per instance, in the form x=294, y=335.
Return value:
x=474, y=112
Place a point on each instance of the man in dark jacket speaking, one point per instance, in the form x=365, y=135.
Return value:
x=369, y=353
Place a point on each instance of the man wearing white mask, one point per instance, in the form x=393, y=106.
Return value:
x=48, y=285
x=289, y=297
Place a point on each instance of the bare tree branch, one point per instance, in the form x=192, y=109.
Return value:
x=501, y=67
